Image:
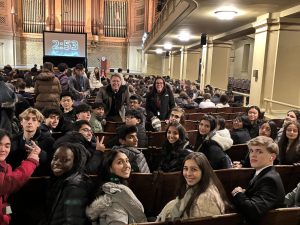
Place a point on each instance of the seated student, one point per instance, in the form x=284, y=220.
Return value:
x=223, y=102
x=267, y=129
x=66, y=102
x=253, y=121
x=200, y=192
x=115, y=203
x=135, y=102
x=127, y=137
x=83, y=112
x=221, y=129
x=51, y=119
x=289, y=144
x=292, y=199
x=239, y=134
x=185, y=101
x=92, y=147
x=292, y=115
x=175, y=148
x=213, y=148
x=134, y=118
x=69, y=187
x=265, y=190
x=98, y=113
x=30, y=121
x=222, y=134
x=206, y=103
x=177, y=114
x=12, y=180
x=95, y=121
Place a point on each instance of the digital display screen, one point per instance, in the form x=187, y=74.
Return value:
x=64, y=44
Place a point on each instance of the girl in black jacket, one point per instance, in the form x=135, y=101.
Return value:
x=211, y=149
x=69, y=188
x=175, y=149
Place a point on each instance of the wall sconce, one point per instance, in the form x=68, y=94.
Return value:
x=255, y=74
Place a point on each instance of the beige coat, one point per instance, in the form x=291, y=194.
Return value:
x=208, y=203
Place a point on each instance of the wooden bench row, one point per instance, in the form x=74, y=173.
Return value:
x=153, y=190
x=154, y=138
x=280, y=216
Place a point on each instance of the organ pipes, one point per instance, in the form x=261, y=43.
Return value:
x=34, y=16
x=73, y=16
x=115, y=18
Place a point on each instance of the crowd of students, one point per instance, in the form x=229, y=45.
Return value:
x=57, y=135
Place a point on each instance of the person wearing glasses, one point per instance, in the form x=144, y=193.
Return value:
x=160, y=100
x=93, y=147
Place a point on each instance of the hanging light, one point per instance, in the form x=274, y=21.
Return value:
x=159, y=51
x=168, y=46
x=225, y=14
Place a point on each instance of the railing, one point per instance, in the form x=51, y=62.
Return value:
x=268, y=106
x=245, y=96
x=173, y=11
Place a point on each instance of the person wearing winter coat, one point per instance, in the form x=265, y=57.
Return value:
x=92, y=147
x=212, y=145
x=8, y=98
x=115, y=97
x=115, y=203
x=160, y=100
x=12, y=180
x=128, y=139
x=200, y=192
x=134, y=118
x=79, y=85
x=47, y=88
x=30, y=121
x=69, y=188
x=239, y=134
x=175, y=149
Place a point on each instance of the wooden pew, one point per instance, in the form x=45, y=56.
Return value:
x=208, y=110
x=153, y=157
x=112, y=126
x=281, y=216
x=237, y=152
x=107, y=136
x=145, y=188
x=231, y=178
x=194, y=116
x=156, y=139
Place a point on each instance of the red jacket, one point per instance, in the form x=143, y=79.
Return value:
x=11, y=181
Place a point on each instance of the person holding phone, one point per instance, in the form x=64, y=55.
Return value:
x=12, y=180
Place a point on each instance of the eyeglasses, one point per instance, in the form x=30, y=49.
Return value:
x=87, y=130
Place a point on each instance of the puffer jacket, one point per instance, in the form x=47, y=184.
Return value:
x=223, y=141
x=47, y=90
x=136, y=158
x=117, y=205
x=10, y=181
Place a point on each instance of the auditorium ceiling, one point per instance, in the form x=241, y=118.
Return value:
x=202, y=20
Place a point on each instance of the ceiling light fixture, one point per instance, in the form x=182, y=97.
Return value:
x=225, y=14
x=159, y=51
x=168, y=46
x=184, y=36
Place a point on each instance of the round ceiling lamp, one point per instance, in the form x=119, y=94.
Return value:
x=225, y=14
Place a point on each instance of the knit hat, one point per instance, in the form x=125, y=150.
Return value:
x=156, y=124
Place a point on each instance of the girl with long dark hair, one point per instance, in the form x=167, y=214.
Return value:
x=175, y=148
x=200, y=192
x=289, y=143
x=115, y=203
